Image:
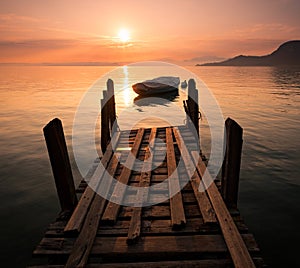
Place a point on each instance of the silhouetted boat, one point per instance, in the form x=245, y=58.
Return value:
x=157, y=86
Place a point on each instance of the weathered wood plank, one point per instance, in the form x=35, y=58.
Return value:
x=112, y=209
x=60, y=163
x=202, y=199
x=223, y=263
x=83, y=245
x=113, y=247
x=76, y=221
x=176, y=204
x=135, y=223
x=209, y=263
x=236, y=246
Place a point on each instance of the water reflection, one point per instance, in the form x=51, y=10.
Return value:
x=287, y=81
x=126, y=93
x=163, y=99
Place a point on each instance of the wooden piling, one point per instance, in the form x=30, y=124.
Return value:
x=192, y=103
x=111, y=104
x=108, y=115
x=105, y=135
x=59, y=158
x=232, y=163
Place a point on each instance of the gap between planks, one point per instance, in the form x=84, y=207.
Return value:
x=112, y=209
x=134, y=230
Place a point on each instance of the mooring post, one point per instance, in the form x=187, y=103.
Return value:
x=105, y=135
x=111, y=104
x=59, y=158
x=232, y=163
x=192, y=103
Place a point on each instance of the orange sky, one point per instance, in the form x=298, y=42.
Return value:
x=187, y=31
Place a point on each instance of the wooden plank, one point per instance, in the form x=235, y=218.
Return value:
x=112, y=209
x=232, y=163
x=154, y=227
x=83, y=245
x=222, y=263
x=60, y=163
x=173, y=246
x=134, y=231
x=76, y=221
x=208, y=263
x=202, y=199
x=236, y=246
x=176, y=205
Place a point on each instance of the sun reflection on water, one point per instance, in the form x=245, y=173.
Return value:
x=126, y=91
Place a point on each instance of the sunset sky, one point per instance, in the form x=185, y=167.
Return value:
x=171, y=30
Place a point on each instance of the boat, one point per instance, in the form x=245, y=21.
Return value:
x=157, y=86
x=184, y=84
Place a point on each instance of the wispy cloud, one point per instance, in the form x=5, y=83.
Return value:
x=264, y=30
x=12, y=17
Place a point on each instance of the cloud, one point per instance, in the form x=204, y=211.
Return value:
x=12, y=17
x=265, y=30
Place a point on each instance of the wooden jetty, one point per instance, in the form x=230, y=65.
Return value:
x=191, y=229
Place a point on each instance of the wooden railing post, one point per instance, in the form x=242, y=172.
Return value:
x=192, y=103
x=112, y=104
x=108, y=115
x=59, y=158
x=232, y=163
x=105, y=135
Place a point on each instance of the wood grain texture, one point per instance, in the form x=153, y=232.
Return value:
x=83, y=245
x=236, y=246
x=176, y=205
x=152, y=246
x=112, y=209
x=203, y=202
x=77, y=218
x=134, y=230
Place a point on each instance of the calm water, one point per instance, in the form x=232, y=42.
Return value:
x=264, y=101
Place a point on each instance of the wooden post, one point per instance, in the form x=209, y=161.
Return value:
x=192, y=103
x=111, y=103
x=59, y=158
x=108, y=114
x=105, y=135
x=232, y=163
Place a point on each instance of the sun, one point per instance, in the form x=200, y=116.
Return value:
x=124, y=35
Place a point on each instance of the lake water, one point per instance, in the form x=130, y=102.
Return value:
x=264, y=101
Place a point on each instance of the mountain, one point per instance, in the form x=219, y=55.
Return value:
x=203, y=59
x=287, y=54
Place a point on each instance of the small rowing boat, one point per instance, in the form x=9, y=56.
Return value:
x=157, y=86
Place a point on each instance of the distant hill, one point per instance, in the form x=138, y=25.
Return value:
x=287, y=54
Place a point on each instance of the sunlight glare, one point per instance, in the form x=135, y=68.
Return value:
x=124, y=35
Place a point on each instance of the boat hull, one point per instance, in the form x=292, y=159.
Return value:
x=161, y=85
